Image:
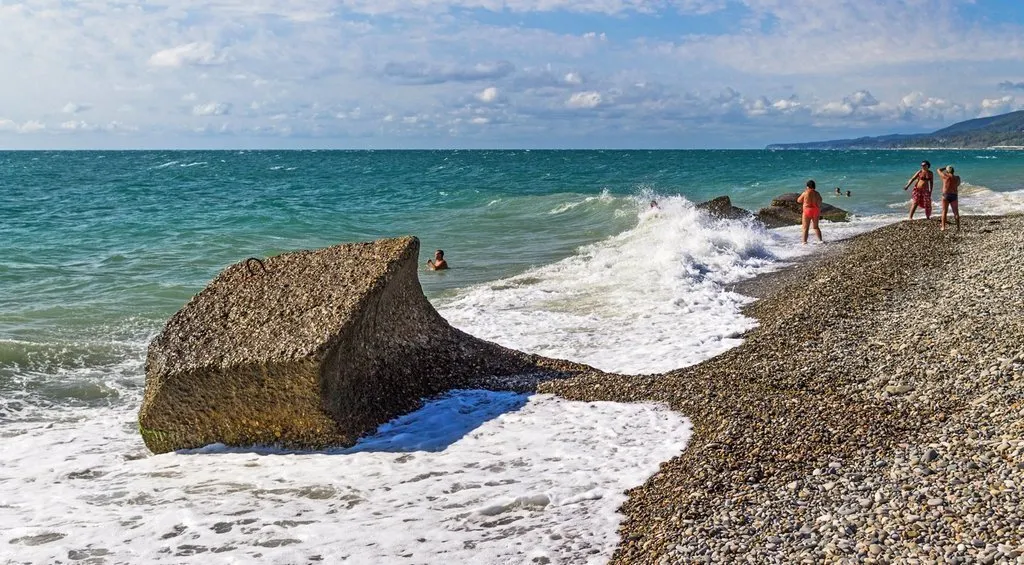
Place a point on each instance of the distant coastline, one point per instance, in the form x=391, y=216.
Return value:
x=786, y=147
x=1002, y=132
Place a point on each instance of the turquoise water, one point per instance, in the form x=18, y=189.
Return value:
x=99, y=248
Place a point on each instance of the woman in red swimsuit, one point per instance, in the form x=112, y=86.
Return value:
x=812, y=210
x=922, y=181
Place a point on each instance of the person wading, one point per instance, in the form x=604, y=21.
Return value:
x=812, y=209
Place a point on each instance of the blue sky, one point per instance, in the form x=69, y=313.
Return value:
x=498, y=73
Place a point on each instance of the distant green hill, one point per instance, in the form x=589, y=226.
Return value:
x=980, y=133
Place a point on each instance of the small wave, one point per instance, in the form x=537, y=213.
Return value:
x=196, y=164
x=976, y=199
x=652, y=298
x=49, y=357
x=167, y=164
x=983, y=200
x=605, y=197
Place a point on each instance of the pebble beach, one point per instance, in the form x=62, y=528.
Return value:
x=874, y=416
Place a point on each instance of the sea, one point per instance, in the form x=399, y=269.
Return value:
x=552, y=252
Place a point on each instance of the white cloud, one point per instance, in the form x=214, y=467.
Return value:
x=849, y=35
x=116, y=126
x=310, y=68
x=419, y=72
x=31, y=126
x=587, y=99
x=862, y=98
x=488, y=95
x=994, y=106
x=480, y=120
x=211, y=109
x=835, y=110
x=195, y=53
x=787, y=104
x=607, y=7
x=73, y=125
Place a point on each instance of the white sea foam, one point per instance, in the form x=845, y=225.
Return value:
x=974, y=199
x=654, y=298
x=981, y=200
x=474, y=477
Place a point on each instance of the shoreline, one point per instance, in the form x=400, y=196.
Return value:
x=989, y=148
x=848, y=426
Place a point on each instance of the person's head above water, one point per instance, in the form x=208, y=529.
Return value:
x=438, y=262
x=811, y=185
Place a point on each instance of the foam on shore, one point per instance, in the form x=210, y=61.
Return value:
x=472, y=477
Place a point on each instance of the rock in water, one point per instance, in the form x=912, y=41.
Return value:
x=310, y=349
x=786, y=211
x=722, y=207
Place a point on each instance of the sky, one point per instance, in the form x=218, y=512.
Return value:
x=378, y=74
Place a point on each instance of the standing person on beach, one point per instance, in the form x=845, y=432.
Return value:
x=923, y=182
x=950, y=185
x=812, y=209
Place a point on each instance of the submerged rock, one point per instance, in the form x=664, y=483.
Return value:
x=722, y=207
x=311, y=349
x=786, y=211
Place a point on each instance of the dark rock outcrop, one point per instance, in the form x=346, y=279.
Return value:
x=312, y=349
x=722, y=207
x=786, y=211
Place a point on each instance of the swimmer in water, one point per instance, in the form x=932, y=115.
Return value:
x=437, y=263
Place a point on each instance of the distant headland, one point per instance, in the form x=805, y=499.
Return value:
x=1005, y=131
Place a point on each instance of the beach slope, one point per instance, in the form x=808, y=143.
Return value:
x=875, y=414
